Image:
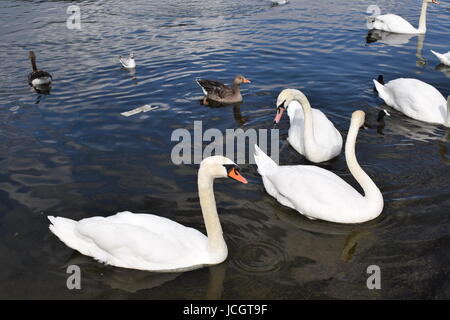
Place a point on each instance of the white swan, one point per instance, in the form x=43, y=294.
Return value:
x=320, y=194
x=153, y=243
x=396, y=24
x=128, y=62
x=311, y=133
x=416, y=99
x=444, y=58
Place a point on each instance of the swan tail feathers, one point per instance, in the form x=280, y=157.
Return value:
x=65, y=230
x=264, y=163
x=379, y=88
x=438, y=55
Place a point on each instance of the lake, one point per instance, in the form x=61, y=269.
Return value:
x=71, y=153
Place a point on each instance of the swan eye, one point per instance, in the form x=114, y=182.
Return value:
x=281, y=105
x=233, y=173
x=230, y=167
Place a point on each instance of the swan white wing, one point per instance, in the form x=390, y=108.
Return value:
x=138, y=241
x=393, y=23
x=417, y=99
x=325, y=133
x=327, y=137
x=273, y=191
x=296, y=129
x=317, y=193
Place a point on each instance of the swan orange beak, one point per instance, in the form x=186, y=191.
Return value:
x=234, y=174
x=435, y=2
x=246, y=81
x=279, y=114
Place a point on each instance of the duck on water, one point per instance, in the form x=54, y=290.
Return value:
x=219, y=92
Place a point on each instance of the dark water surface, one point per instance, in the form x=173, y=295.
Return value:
x=72, y=154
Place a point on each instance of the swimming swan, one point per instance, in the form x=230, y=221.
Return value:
x=320, y=194
x=416, y=99
x=311, y=133
x=444, y=58
x=153, y=243
x=396, y=24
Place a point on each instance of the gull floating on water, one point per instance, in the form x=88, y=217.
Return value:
x=128, y=62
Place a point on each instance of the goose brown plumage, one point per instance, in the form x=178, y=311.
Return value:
x=219, y=92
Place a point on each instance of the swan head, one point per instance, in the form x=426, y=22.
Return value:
x=132, y=55
x=358, y=118
x=221, y=167
x=284, y=99
x=432, y=1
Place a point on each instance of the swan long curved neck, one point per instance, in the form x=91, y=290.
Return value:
x=307, y=111
x=209, y=209
x=423, y=17
x=371, y=191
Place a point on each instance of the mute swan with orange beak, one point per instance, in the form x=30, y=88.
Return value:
x=311, y=133
x=416, y=99
x=396, y=24
x=150, y=242
x=320, y=194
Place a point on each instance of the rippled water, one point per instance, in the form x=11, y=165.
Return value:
x=72, y=154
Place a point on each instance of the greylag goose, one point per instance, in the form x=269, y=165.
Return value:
x=219, y=92
x=38, y=77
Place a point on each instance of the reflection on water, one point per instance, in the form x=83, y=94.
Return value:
x=351, y=243
x=397, y=40
x=259, y=257
x=70, y=153
x=240, y=120
x=119, y=278
x=444, y=69
x=389, y=38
